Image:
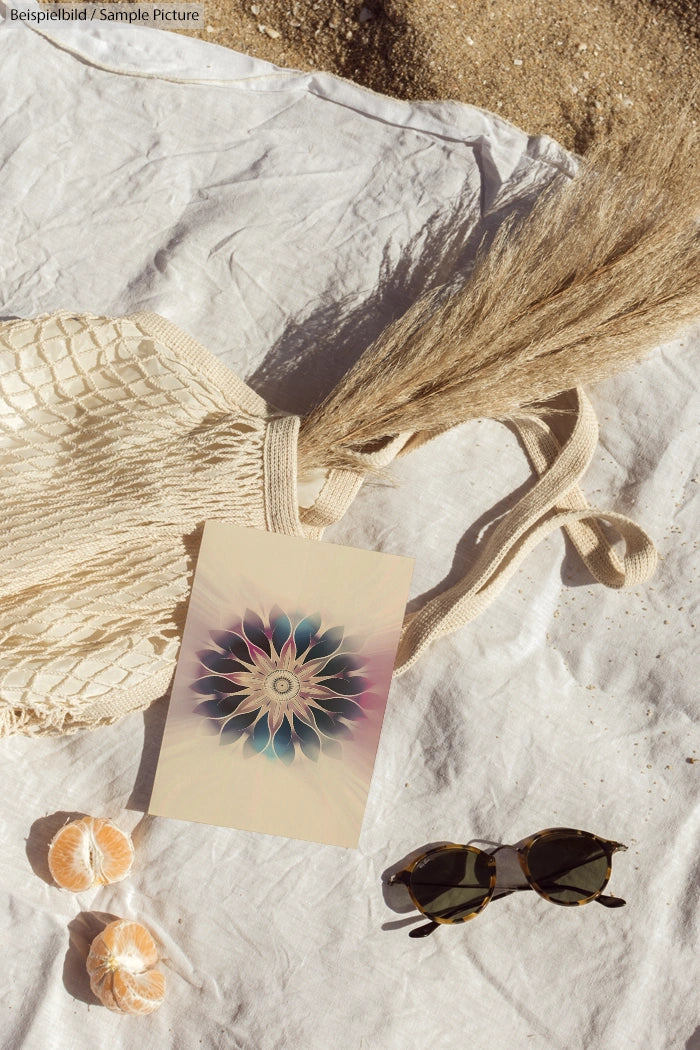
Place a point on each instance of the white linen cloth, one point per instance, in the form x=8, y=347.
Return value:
x=282, y=219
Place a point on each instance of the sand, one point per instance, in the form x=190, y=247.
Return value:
x=573, y=70
x=567, y=68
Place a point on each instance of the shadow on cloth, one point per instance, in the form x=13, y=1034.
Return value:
x=314, y=352
x=396, y=896
x=154, y=726
x=82, y=931
x=469, y=548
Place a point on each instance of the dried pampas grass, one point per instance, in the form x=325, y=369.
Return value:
x=605, y=267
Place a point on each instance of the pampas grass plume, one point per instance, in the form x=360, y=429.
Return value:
x=605, y=267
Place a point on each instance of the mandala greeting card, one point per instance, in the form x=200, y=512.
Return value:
x=281, y=685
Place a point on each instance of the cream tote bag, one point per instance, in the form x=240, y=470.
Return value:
x=119, y=437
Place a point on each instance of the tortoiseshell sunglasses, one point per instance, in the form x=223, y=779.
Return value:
x=454, y=883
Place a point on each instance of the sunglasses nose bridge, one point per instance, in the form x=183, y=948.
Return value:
x=509, y=871
x=521, y=853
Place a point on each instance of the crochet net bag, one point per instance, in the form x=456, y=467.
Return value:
x=119, y=438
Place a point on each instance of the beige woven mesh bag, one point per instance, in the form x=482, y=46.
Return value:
x=119, y=438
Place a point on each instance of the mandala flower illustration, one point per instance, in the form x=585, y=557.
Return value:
x=285, y=686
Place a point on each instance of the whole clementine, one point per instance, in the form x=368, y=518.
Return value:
x=121, y=968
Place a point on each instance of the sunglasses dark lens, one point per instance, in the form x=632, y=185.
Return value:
x=568, y=868
x=451, y=884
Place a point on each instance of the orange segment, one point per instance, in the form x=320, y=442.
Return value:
x=128, y=944
x=90, y=852
x=138, y=993
x=120, y=965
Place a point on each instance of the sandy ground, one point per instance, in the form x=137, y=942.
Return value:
x=570, y=68
x=573, y=69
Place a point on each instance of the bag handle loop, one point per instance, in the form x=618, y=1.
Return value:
x=555, y=501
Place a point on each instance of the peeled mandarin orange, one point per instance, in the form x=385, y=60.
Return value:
x=120, y=965
x=90, y=852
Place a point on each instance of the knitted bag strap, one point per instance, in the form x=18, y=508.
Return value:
x=341, y=486
x=599, y=556
x=555, y=501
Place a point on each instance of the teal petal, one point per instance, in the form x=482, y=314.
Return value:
x=282, y=743
x=308, y=739
x=281, y=627
x=261, y=735
x=304, y=632
x=327, y=644
x=255, y=631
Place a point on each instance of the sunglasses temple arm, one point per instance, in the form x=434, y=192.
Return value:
x=404, y=878
x=425, y=930
x=611, y=902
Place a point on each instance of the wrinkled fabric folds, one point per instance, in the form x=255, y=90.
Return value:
x=283, y=219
